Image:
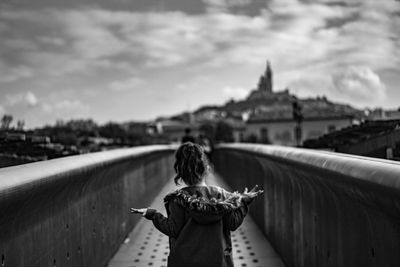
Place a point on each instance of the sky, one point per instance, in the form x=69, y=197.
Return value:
x=126, y=60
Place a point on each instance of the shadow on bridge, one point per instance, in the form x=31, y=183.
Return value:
x=318, y=209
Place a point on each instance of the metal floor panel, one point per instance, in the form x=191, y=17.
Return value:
x=146, y=246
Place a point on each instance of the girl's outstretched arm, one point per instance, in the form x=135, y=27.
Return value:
x=235, y=218
x=171, y=225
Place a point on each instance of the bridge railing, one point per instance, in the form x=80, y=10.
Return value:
x=320, y=208
x=74, y=211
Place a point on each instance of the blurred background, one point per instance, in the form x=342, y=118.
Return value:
x=84, y=76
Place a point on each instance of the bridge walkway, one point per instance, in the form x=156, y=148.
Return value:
x=146, y=246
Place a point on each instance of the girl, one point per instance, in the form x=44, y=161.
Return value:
x=200, y=217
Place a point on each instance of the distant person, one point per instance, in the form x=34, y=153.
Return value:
x=207, y=145
x=187, y=137
x=200, y=217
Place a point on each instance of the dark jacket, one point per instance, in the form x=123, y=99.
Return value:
x=199, y=224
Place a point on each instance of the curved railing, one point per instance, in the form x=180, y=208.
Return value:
x=320, y=208
x=74, y=211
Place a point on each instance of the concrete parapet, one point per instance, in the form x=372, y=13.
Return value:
x=74, y=211
x=320, y=208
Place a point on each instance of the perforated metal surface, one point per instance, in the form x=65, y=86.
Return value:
x=149, y=249
x=251, y=249
x=146, y=246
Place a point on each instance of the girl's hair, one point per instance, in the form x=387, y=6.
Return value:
x=191, y=164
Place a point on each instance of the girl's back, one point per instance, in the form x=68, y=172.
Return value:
x=200, y=217
x=209, y=214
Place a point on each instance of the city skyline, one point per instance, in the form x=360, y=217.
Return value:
x=136, y=60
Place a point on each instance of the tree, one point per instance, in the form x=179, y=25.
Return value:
x=82, y=124
x=112, y=130
x=224, y=132
x=6, y=121
x=20, y=125
x=208, y=130
x=252, y=138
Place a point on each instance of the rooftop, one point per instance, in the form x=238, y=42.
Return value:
x=354, y=134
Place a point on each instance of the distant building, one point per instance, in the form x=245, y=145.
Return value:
x=381, y=114
x=281, y=130
x=265, y=84
x=138, y=128
x=172, y=130
x=392, y=114
x=100, y=140
x=379, y=139
x=39, y=139
x=16, y=137
x=238, y=129
x=209, y=113
x=265, y=116
x=265, y=90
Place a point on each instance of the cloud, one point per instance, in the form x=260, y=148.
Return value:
x=235, y=93
x=89, y=47
x=69, y=105
x=79, y=40
x=2, y=110
x=27, y=99
x=91, y=35
x=31, y=99
x=66, y=105
x=129, y=84
x=224, y=5
x=93, y=38
x=54, y=41
x=59, y=42
x=196, y=83
x=360, y=83
x=227, y=2
x=13, y=73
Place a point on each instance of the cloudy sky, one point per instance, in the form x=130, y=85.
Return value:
x=137, y=59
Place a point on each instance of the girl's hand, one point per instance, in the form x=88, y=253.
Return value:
x=252, y=194
x=140, y=211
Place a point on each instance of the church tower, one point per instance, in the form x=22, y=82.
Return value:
x=265, y=83
x=268, y=76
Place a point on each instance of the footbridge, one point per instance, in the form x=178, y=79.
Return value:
x=319, y=208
